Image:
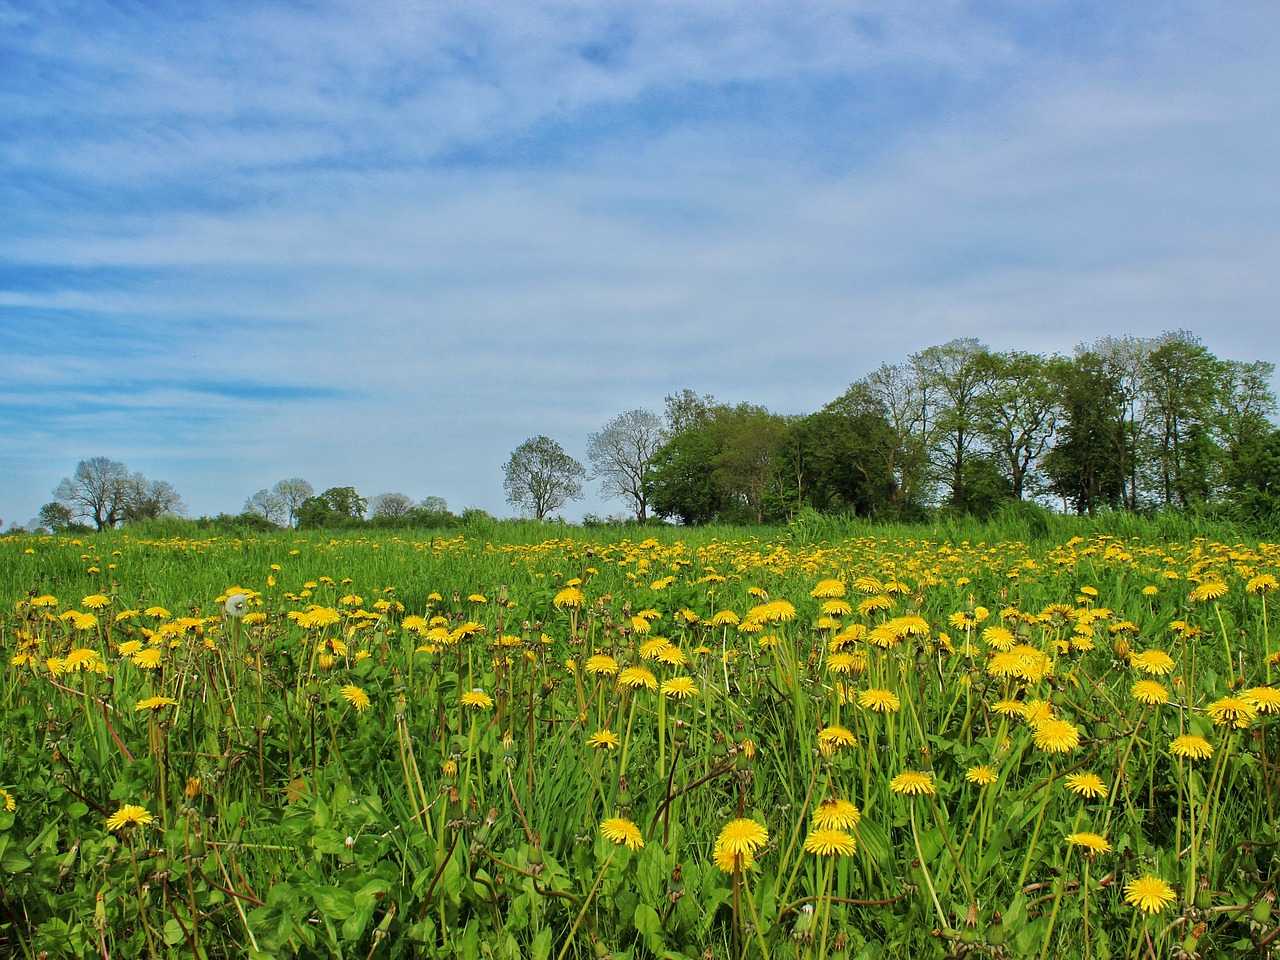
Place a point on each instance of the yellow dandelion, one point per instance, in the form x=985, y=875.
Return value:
x=1056, y=736
x=1232, y=712
x=1189, y=746
x=154, y=703
x=602, y=664
x=879, y=700
x=128, y=815
x=1263, y=699
x=1154, y=662
x=7, y=799
x=356, y=697
x=148, y=659
x=621, y=831
x=1086, y=785
x=836, y=814
x=914, y=783
x=829, y=842
x=1150, y=692
x=1149, y=894
x=476, y=699
x=604, y=739
x=681, y=688
x=95, y=602
x=835, y=736
x=635, y=677
x=1263, y=583
x=742, y=836
x=1209, y=590
x=827, y=589
x=982, y=775
x=1091, y=842
x=570, y=597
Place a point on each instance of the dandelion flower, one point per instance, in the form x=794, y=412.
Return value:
x=681, y=688
x=833, y=737
x=1149, y=894
x=1092, y=842
x=982, y=775
x=1086, y=785
x=742, y=836
x=827, y=589
x=836, y=814
x=603, y=664
x=6, y=798
x=1209, y=590
x=880, y=701
x=829, y=842
x=476, y=698
x=1232, y=711
x=634, y=677
x=148, y=659
x=154, y=703
x=127, y=815
x=95, y=602
x=1263, y=583
x=605, y=739
x=1150, y=692
x=1263, y=699
x=1057, y=736
x=622, y=831
x=570, y=597
x=728, y=861
x=1191, y=747
x=1154, y=662
x=356, y=697
x=914, y=783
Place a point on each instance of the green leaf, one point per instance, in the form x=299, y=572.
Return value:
x=540, y=949
x=334, y=903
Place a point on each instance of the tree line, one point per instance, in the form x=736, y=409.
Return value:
x=1124, y=423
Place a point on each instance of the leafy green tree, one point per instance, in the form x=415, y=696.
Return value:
x=540, y=477
x=56, y=516
x=1242, y=422
x=1085, y=466
x=681, y=482
x=1180, y=382
x=336, y=507
x=1015, y=414
x=839, y=457
x=954, y=377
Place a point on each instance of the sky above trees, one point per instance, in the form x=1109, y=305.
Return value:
x=381, y=245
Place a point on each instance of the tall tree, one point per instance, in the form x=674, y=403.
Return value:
x=294, y=492
x=1242, y=420
x=621, y=453
x=267, y=504
x=336, y=507
x=1085, y=467
x=392, y=505
x=955, y=373
x=104, y=491
x=898, y=394
x=541, y=477
x=1180, y=382
x=148, y=499
x=681, y=482
x=1016, y=412
x=1124, y=359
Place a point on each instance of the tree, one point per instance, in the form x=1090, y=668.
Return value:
x=904, y=401
x=1086, y=466
x=1016, y=413
x=267, y=504
x=55, y=516
x=621, y=453
x=295, y=493
x=148, y=499
x=1181, y=381
x=955, y=375
x=434, y=505
x=336, y=507
x=541, y=477
x=392, y=505
x=104, y=491
x=681, y=481
x=96, y=490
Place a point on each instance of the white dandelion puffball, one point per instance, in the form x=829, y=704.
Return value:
x=237, y=605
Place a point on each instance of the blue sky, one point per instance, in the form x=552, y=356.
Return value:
x=381, y=244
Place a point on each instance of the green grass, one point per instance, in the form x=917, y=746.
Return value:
x=288, y=819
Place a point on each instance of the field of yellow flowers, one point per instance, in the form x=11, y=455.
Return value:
x=678, y=747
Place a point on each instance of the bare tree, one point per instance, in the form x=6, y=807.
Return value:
x=621, y=453
x=391, y=505
x=541, y=477
x=295, y=493
x=96, y=490
x=267, y=504
x=105, y=491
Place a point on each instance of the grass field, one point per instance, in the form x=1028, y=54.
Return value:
x=815, y=741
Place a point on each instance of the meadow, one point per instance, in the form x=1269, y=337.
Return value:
x=548, y=742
